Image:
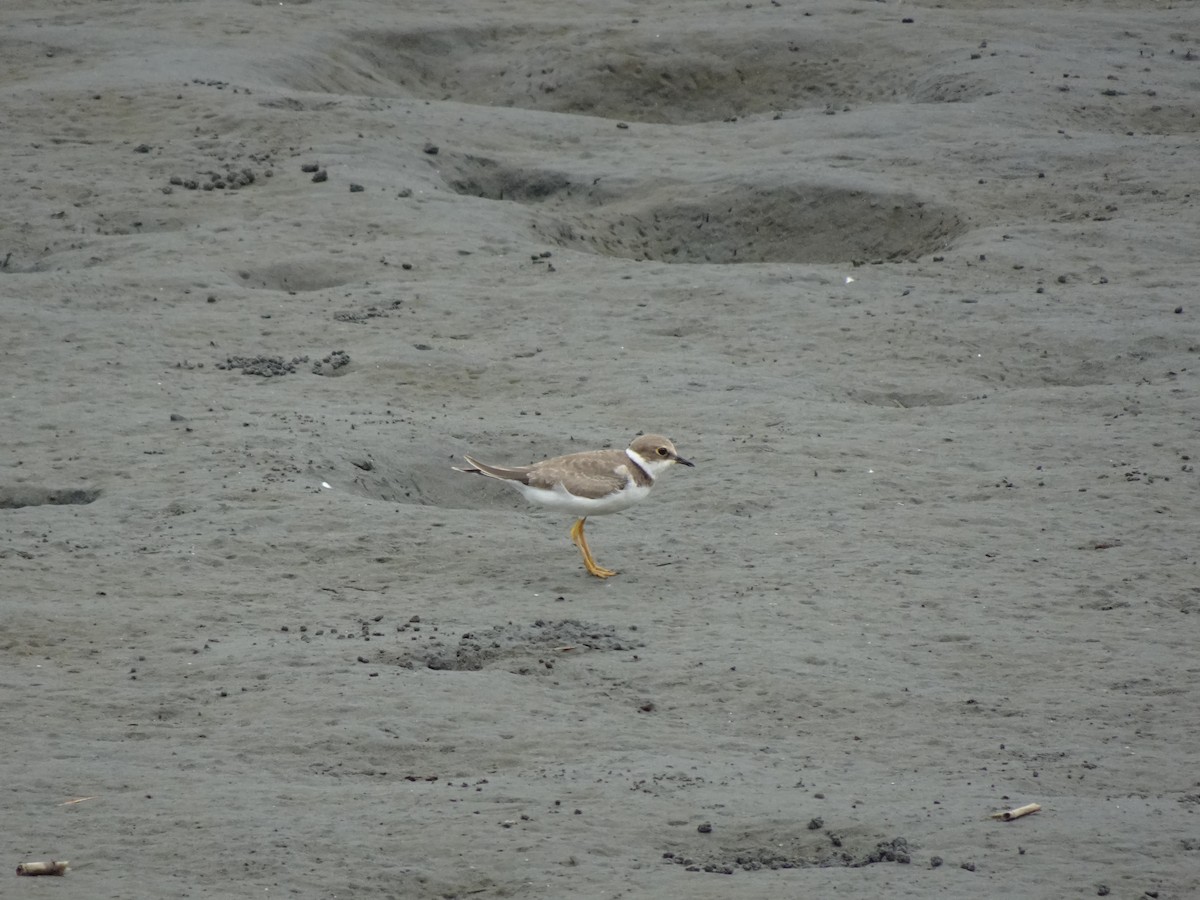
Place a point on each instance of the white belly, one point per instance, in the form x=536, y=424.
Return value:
x=559, y=499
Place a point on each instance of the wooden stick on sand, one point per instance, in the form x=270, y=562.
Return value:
x=1009, y=815
x=53, y=867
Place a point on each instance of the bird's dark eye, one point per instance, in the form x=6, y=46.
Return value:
x=662, y=451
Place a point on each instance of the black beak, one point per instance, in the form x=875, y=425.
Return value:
x=684, y=462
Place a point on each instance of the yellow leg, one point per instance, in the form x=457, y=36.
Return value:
x=589, y=562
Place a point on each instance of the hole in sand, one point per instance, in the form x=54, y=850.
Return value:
x=693, y=75
x=21, y=496
x=820, y=222
x=296, y=275
x=793, y=224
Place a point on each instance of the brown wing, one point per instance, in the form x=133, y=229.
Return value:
x=591, y=475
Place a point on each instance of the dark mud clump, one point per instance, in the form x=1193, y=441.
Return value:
x=263, y=366
x=524, y=648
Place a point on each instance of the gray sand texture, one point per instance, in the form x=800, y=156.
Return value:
x=913, y=284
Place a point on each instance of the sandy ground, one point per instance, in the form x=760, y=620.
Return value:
x=915, y=286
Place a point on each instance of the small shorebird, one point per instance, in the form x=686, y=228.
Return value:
x=590, y=483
